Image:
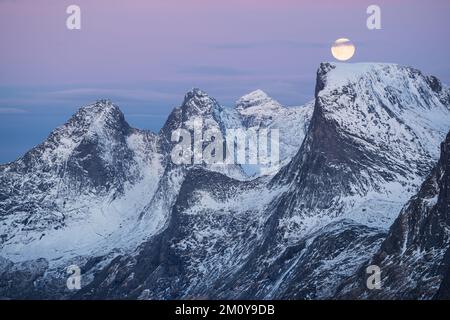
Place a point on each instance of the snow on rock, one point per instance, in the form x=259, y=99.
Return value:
x=373, y=138
x=414, y=256
x=256, y=111
x=81, y=188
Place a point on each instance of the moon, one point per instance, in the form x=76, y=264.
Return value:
x=343, y=49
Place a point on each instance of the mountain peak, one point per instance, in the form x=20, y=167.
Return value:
x=94, y=118
x=257, y=98
x=103, y=108
x=393, y=82
x=195, y=93
x=361, y=98
x=368, y=116
x=197, y=102
x=99, y=106
x=338, y=74
x=257, y=94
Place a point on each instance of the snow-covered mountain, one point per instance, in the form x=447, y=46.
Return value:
x=88, y=179
x=414, y=258
x=76, y=196
x=97, y=187
x=374, y=136
x=258, y=110
x=107, y=197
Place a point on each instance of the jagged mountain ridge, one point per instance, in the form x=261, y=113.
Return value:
x=266, y=260
x=248, y=237
x=304, y=268
x=97, y=187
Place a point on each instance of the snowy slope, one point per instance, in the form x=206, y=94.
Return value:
x=80, y=190
x=257, y=110
x=392, y=108
x=374, y=137
x=414, y=256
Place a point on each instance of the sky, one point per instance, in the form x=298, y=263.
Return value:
x=145, y=55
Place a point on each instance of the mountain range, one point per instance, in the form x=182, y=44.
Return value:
x=363, y=180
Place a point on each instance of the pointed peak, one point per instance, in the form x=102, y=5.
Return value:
x=257, y=94
x=100, y=107
x=256, y=98
x=324, y=68
x=195, y=93
x=198, y=102
x=102, y=112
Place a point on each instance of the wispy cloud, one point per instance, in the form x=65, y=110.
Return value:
x=213, y=71
x=269, y=44
x=12, y=111
x=132, y=94
x=274, y=44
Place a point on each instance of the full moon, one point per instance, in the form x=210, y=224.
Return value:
x=343, y=49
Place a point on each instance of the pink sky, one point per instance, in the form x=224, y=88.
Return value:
x=145, y=54
x=138, y=41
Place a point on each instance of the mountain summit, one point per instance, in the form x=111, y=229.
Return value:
x=257, y=98
x=197, y=103
x=374, y=136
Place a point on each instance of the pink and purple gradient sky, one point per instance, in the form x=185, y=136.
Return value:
x=145, y=54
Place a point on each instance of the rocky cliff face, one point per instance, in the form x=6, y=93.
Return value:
x=414, y=258
x=374, y=136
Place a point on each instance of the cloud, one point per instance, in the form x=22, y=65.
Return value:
x=132, y=94
x=12, y=111
x=213, y=71
x=269, y=44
